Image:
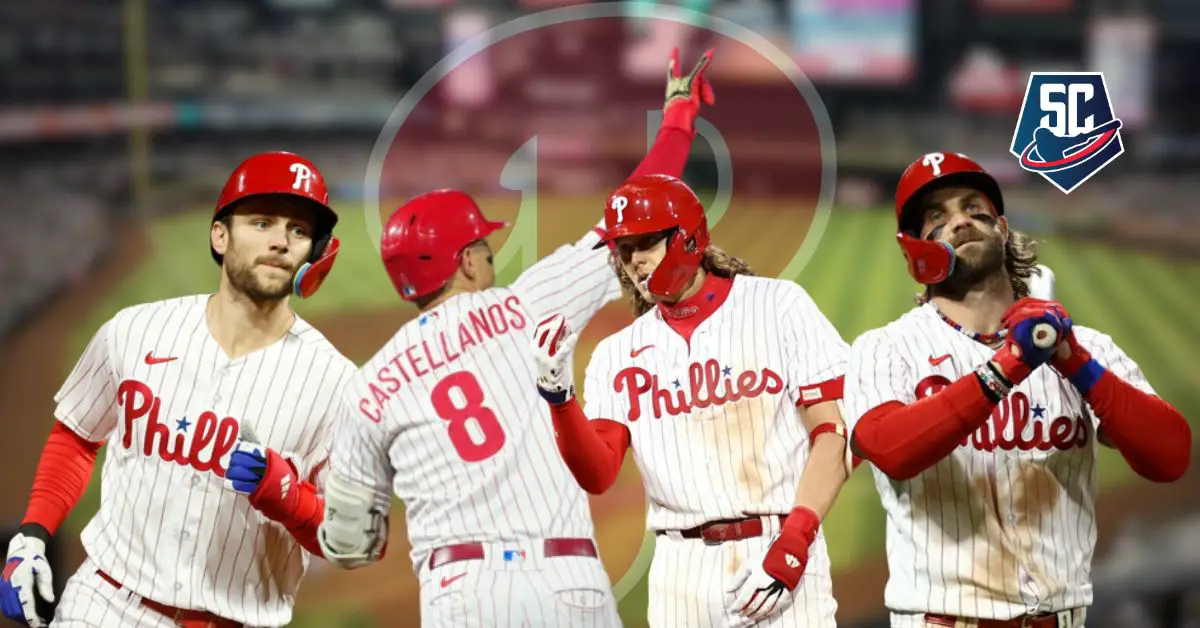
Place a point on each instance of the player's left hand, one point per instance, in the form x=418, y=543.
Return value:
x=1074, y=362
x=552, y=349
x=686, y=92
x=763, y=585
x=269, y=480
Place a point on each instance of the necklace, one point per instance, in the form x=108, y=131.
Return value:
x=987, y=339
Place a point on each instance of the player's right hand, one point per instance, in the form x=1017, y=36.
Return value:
x=1035, y=327
x=685, y=93
x=553, y=345
x=26, y=581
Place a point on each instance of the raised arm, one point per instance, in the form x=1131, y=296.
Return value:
x=593, y=450
x=576, y=280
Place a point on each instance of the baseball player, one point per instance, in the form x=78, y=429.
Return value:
x=443, y=417
x=218, y=412
x=981, y=410
x=705, y=387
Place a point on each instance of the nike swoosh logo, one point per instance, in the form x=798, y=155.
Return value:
x=447, y=581
x=938, y=360
x=150, y=359
x=636, y=352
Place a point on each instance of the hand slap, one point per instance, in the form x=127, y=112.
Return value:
x=553, y=346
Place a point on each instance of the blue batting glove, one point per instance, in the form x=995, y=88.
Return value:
x=246, y=467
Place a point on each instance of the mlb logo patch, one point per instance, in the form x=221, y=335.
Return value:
x=1067, y=130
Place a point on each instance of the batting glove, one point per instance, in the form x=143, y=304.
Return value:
x=685, y=93
x=553, y=344
x=1035, y=326
x=259, y=472
x=27, y=581
x=1076, y=363
x=763, y=586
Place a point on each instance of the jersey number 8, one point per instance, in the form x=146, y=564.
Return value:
x=474, y=430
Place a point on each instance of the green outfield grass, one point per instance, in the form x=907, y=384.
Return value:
x=857, y=277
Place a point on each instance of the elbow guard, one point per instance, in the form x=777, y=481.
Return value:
x=354, y=531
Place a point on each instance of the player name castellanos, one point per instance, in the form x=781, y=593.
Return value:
x=425, y=356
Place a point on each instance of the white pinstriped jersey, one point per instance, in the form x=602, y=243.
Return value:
x=1006, y=524
x=170, y=403
x=448, y=412
x=713, y=422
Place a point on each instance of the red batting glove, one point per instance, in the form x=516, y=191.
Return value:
x=1020, y=356
x=278, y=494
x=788, y=556
x=762, y=588
x=685, y=93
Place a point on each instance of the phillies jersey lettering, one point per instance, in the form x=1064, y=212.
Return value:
x=1005, y=525
x=709, y=384
x=447, y=416
x=138, y=401
x=155, y=385
x=1006, y=428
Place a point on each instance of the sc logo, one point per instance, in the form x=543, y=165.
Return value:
x=1067, y=130
x=1066, y=105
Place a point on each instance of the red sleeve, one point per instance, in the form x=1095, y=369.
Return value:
x=1150, y=433
x=303, y=521
x=593, y=450
x=668, y=155
x=904, y=440
x=62, y=477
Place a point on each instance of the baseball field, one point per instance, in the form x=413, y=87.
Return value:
x=856, y=275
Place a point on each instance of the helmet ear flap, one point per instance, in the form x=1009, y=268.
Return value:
x=312, y=273
x=929, y=261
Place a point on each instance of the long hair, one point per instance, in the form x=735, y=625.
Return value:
x=716, y=261
x=1020, y=261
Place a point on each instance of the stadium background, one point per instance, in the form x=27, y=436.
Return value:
x=120, y=120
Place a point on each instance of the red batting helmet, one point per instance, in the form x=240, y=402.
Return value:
x=658, y=202
x=424, y=239
x=289, y=174
x=931, y=262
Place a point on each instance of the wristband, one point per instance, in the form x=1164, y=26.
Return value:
x=994, y=384
x=558, y=397
x=1087, y=376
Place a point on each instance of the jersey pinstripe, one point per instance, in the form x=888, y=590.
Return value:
x=1005, y=525
x=447, y=416
x=170, y=403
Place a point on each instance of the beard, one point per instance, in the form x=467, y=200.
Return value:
x=975, y=266
x=244, y=278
